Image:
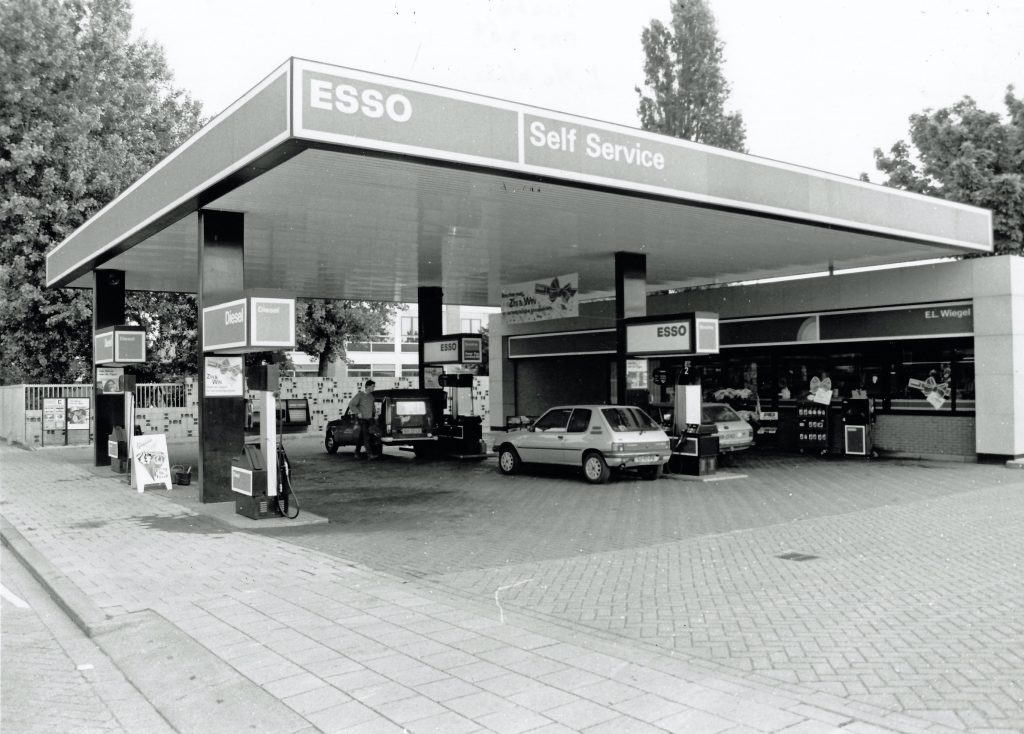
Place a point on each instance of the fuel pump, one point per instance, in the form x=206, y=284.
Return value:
x=261, y=474
x=458, y=435
x=120, y=439
x=694, y=443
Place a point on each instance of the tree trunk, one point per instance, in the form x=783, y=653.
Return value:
x=325, y=362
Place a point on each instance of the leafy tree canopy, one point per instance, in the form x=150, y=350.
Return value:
x=962, y=153
x=323, y=327
x=84, y=111
x=685, y=92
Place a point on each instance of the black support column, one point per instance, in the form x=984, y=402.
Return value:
x=107, y=310
x=630, y=302
x=221, y=419
x=429, y=301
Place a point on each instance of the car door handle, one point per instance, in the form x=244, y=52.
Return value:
x=561, y=438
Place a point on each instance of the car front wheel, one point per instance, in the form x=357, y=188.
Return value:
x=595, y=470
x=508, y=460
x=330, y=444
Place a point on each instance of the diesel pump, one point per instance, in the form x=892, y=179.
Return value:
x=261, y=474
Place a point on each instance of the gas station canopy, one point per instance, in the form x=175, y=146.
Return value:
x=354, y=185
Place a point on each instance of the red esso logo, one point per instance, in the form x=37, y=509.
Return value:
x=350, y=100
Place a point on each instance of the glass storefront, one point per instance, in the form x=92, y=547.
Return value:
x=932, y=375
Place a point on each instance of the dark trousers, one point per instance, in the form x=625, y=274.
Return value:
x=364, y=432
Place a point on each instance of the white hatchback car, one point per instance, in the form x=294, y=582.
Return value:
x=597, y=438
x=734, y=433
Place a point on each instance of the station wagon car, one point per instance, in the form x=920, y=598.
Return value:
x=734, y=433
x=401, y=418
x=596, y=438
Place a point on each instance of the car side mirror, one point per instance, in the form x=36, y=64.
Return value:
x=531, y=428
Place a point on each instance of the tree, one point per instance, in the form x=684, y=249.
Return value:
x=323, y=327
x=84, y=111
x=965, y=154
x=683, y=74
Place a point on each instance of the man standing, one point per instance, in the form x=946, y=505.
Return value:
x=361, y=406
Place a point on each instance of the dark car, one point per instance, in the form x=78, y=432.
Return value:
x=401, y=418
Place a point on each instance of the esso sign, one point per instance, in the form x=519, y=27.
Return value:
x=351, y=100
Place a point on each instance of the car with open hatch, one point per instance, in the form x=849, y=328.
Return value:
x=734, y=433
x=595, y=438
x=402, y=417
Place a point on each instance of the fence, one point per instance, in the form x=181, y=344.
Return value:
x=173, y=408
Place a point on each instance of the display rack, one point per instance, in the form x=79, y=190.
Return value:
x=812, y=427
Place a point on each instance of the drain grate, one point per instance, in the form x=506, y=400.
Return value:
x=796, y=557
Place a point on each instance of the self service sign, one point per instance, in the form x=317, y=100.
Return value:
x=250, y=324
x=688, y=333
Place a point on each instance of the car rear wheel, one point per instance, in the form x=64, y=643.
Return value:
x=330, y=444
x=650, y=473
x=508, y=460
x=595, y=469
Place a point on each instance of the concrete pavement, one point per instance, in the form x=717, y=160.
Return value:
x=225, y=630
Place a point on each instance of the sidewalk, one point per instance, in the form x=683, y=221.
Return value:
x=225, y=630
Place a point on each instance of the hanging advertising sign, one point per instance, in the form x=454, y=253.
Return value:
x=114, y=345
x=250, y=324
x=540, y=300
x=54, y=414
x=222, y=377
x=150, y=463
x=79, y=413
x=660, y=336
x=432, y=377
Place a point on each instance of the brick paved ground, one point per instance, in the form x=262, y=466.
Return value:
x=539, y=602
x=911, y=604
x=55, y=680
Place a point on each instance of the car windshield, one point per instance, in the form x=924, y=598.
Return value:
x=718, y=414
x=629, y=419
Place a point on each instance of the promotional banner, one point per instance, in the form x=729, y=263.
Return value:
x=150, y=464
x=222, y=377
x=539, y=300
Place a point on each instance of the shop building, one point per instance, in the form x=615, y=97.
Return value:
x=940, y=349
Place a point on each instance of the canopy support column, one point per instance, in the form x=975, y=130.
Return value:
x=630, y=302
x=108, y=309
x=429, y=300
x=221, y=419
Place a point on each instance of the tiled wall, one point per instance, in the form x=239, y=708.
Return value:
x=327, y=398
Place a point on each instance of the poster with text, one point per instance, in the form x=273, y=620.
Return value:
x=107, y=380
x=223, y=377
x=54, y=414
x=78, y=414
x=150, y=464
x=539, y=300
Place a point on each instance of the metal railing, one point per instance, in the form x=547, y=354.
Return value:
x=160, y=395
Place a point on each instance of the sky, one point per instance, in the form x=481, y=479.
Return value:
x=820, y=83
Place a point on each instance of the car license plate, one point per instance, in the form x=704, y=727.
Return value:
x=645, y=460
